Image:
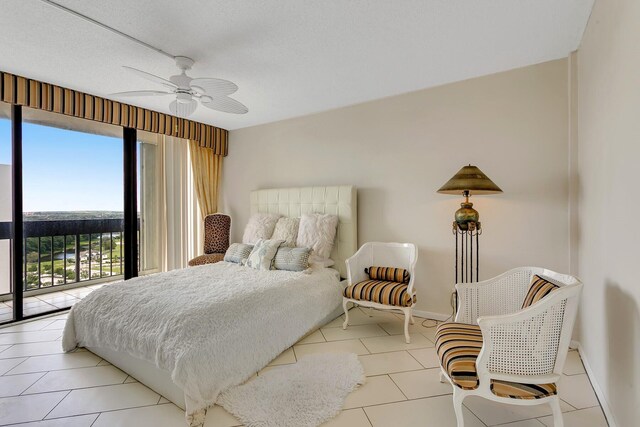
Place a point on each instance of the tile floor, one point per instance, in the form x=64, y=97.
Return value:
x=44, y=303
x=41, y=386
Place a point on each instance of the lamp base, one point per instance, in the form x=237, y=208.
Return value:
x=465, y=215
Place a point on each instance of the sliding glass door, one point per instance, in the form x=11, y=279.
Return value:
x=72, y=208
x=84, y=199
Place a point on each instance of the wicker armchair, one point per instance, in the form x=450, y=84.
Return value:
x=217, y=228
x=503, y=352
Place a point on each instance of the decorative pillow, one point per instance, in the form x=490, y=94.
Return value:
x=287, y=230
x=388, y=274
x=238, y=253
x=262, y=254
x=538, y=289
x=260, y=226
x=317, y=231
x=291, y=259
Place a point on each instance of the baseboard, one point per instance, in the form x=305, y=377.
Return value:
x=431, y=315
x=596, y=387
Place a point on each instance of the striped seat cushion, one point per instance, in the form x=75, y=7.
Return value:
x=538, y=289
x=389, y=274
x=458, y=346
x=382, y=292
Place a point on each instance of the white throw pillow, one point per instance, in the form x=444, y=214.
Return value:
x=287, y=230
x=317, y=231
x=319, y=262
x=261, y=257
x=260, y=226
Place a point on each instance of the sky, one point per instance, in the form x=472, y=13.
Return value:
x=65, y=170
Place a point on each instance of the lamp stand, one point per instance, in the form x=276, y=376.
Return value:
x=467, y=257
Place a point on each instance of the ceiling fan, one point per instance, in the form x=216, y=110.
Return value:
x=211, y=92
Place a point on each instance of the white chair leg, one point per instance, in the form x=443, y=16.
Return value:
x=458, y=397
x=345, y=306
x=443, y=378
x=557, y=412
x=407, y=317
x=411, y=320
x=369, y=311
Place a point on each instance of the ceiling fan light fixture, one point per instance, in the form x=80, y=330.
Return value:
x=183, y=109
x=205, y=99
x=183, y=98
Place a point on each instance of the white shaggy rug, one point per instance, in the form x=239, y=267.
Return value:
x=303, y=394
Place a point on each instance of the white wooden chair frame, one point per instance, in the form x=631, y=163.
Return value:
x=399, y=255
x=519, y=345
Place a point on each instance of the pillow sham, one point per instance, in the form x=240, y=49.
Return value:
x=260, y=226
x=317, y=231
x=388, y=274
x=238, y=253
x=262, y=254
x=291, y=259
x=286, y=229
x=538, y=289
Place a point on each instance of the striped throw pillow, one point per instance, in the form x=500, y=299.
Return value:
x=389, y=274
x=538, y=289
x=292, y=259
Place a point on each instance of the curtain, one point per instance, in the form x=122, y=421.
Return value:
x=179, y=216
x=207, y=168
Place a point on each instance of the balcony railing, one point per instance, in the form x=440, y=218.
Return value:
x=63, y=252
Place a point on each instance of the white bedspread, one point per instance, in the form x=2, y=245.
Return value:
x=211, y=326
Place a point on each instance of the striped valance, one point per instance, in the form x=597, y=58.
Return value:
x=44, y=96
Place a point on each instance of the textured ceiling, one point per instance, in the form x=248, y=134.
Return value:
x=289, y=57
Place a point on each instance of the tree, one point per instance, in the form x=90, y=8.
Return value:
x=107, y=245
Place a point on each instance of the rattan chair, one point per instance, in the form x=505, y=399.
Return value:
x=505, y=353
x=217, y=228
x=400, y=296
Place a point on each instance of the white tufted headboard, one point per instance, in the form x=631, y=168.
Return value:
x=337, y=200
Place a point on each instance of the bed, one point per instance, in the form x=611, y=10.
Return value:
x=190, y=334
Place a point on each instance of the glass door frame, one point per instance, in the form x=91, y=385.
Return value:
x=17, y=247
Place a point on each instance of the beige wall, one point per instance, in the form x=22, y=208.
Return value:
x=608, y=153
x=398, y=151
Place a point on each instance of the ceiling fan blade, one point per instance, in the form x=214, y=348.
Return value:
x=183, y=109
x=151, y=77
x=213, y=87
x=226, y=105
x=142, y=93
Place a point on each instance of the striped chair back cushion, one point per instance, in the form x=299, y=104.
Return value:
x=538, y=289
x=389, y=274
